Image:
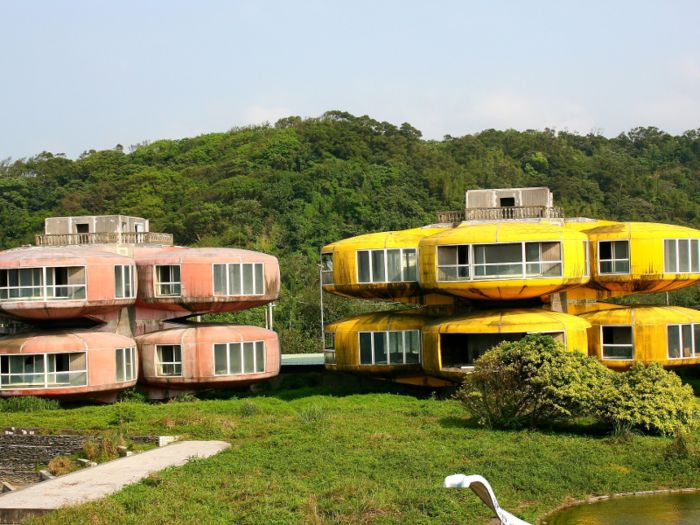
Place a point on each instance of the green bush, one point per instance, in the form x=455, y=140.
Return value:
x=537, y=380
x=530, y=381
x=28, y=404
x=648, y=398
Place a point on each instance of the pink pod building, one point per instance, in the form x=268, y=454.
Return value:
x=64, y=282
x=207, y=356
x=193, y=281
x=67, y=364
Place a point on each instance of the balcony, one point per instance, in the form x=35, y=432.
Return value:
x=72, y=239
x=512, y=213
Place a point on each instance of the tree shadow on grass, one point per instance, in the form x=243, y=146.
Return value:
x=579, y=428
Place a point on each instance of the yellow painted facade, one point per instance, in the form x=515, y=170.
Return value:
x=649, y=330
x=346, y=276
x=347, y=345
x=501, y=322
x=573, y=273
x=646, y=273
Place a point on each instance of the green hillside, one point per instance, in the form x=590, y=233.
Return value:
x=287, y=189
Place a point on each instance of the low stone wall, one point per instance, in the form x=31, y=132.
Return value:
x=19, y=478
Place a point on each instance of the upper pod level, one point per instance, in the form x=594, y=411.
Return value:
x=503, y=261
x=622, y=336
x=64, y=283
x=643, y=257
x=99, y=229
x=375, y=266
x=195, y=281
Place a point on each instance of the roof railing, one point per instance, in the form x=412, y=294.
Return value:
x=510, y=213
x=73, y=239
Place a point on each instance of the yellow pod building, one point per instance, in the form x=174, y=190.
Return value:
x=386, y=345
x=640, y=257
x=378, y=266
x=503, y=261
x=452, y=344
x=664, y=334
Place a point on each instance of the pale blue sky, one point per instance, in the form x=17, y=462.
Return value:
x=80, y=75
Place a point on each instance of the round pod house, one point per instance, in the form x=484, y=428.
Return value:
x=452, y=344
x=194, y=281
x=503, y=261
x=67, y=364
x=385, y=345
x=643, y=257
x=669, y=335
x=207, y=356
x=64, y=282
x=377, y=266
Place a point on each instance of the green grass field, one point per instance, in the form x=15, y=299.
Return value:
x=313, y=456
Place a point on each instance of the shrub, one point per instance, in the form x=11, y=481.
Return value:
x=28, y=404
x=248, y=408
x=61, y=465
x=532, y=380
x=135, y=394
x=648, y=398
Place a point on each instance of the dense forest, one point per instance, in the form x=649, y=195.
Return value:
x=288, y=189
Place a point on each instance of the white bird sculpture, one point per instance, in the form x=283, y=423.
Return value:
x=483, y=490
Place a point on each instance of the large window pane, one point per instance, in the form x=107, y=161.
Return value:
x=120, y=364
x=259, y=284
x=393, y=260
x=696, y=330
x=235, y=357
x=378, y=275
x=687, y=333
x=248, y=358
x=617, y=342
x=409, y=265
x=447, y=255
x=365, y=348
x=412, y=347
x=684, y=255
x=694, y=256
x=532, y=251
x=363, y=268
x=395, y=348
x=234, y=279
x=118, y=283
x=380, y=353
x=248, y=288
x=259, y=356
x=220, y=364
x=219, y=279
x=621, y=249
x=503, y=253
x=605, y=250
x=674, y=341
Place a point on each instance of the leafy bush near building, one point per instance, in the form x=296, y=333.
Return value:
x=536, y=380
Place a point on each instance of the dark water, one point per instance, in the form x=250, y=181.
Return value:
x=656, y=509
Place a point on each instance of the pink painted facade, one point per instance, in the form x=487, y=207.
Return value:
x=60, y=282
x=67, y=364
x=207, y=355
x=195, y=269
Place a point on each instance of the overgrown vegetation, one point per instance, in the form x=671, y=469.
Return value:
x=28, y=404
x=304, y=456
x=535, y=381
x=291, y=188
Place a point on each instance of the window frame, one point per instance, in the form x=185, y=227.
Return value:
x=159, y=363
x=134, y=364
x=228, y=358
x=157, y=283
x=325, y=280
x=132, y=281
x=43, y=286
x=388, y=353
x=402, y=255
x=679, y=326
x=329, y=356
x=677, y=244
x=603, y=345
x=45, y=373
x=523, y=263
x=587, y=258
x=614, y=260
x=227, y=274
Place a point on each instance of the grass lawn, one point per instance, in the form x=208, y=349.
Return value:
x=313, y=456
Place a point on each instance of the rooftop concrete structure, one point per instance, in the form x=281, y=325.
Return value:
x=96, y=482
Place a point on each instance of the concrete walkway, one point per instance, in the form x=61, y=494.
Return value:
x=95, y=482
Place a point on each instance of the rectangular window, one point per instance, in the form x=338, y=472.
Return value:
x=65, y=283
x=681, y=256
x=124, y=281
x=587, y=269
x=169, y=360
x=329, y=348
x=239, y=279
x=239, y=358
x=40, y=284
x=127, y=369
x=391, y=265
x=168, y=281
x=453, y=263
x=681, y=342
x=617, y=342
x=613, y=257
x=389, y=348
x=327, y=268
x=43, y=370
